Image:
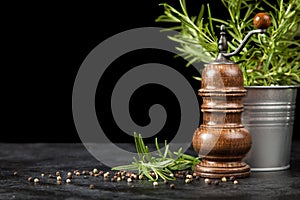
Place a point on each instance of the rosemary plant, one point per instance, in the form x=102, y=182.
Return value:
x=163, y=165
x=268, y=59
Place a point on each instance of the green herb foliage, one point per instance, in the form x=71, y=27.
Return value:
x=163, y=165
x=267, y=59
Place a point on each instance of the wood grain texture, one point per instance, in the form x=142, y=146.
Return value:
x=221, y=140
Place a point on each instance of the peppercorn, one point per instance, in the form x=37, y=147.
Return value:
x=95, y=171
x=92, y=187
x=207, y=181
x=42, y=175
x=128, y=174
x=57, y=173
x=112, y=179
x=223, y=179
x=84, y=172
x=129, y=180
x=141, y=176
x=166, y=182
x=58, y=178
x=51, y=176
x=232, y=178
x=235, y=182
x=101, y=173
x=171, y=175
x=189, y=176
x=91, y=173
x=216, y=182
x=68, y=180
x=85, y=177
x=77, y=173
x=106, y=175
x=119, y=179
x=194, y=174
x=123, y=177
x=15, y=173
x=69, y=175
x=172, y=186
x=155, y=183
x=30, y=179
x=134, y=176
x=188, y=180
x=36, y=180
x=58, y=182
x=152, y=174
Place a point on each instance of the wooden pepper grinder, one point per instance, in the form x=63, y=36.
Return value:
x=222, y=141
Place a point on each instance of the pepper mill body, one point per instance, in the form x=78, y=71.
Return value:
x=222, y=141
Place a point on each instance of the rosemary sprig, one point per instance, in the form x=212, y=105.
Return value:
x=163, y=165
x=272, y=59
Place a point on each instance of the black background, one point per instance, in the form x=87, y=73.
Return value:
x=43, y=45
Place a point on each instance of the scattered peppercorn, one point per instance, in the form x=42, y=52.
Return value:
x=30, y=179
x=15, y=173
x=106, y=175
x=223, y=179
x=68, y=181
x=95, y=171
x=58, y=182
x=92, y=187
x=58, y=178
x=91, y=173
x=101, y=173
x=141, y=176
x=129, y=180
x=155, y=183
x=57, y=173
x=216, y=182
x=172, y=186
x=77, y=173
x=194, y=174
x=42, y=175
x=119, y=179
x=166, y=182
x=235, y=182
x=51, y=176
x=188, y=180
x=232, y=178
x=36, y=180
x=69, y=175
x=189, y=176
x=84, y=172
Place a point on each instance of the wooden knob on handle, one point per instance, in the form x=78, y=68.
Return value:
x=262, y=20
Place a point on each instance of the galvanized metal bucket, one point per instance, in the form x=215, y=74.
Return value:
x=269, y=116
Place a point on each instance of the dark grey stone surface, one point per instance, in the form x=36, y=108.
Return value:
x=33, y=159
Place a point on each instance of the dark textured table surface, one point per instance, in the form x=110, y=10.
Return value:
x=33, y=159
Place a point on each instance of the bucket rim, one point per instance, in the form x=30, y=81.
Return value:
x=274, y=87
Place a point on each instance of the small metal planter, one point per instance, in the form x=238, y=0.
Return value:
x=269, y=116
